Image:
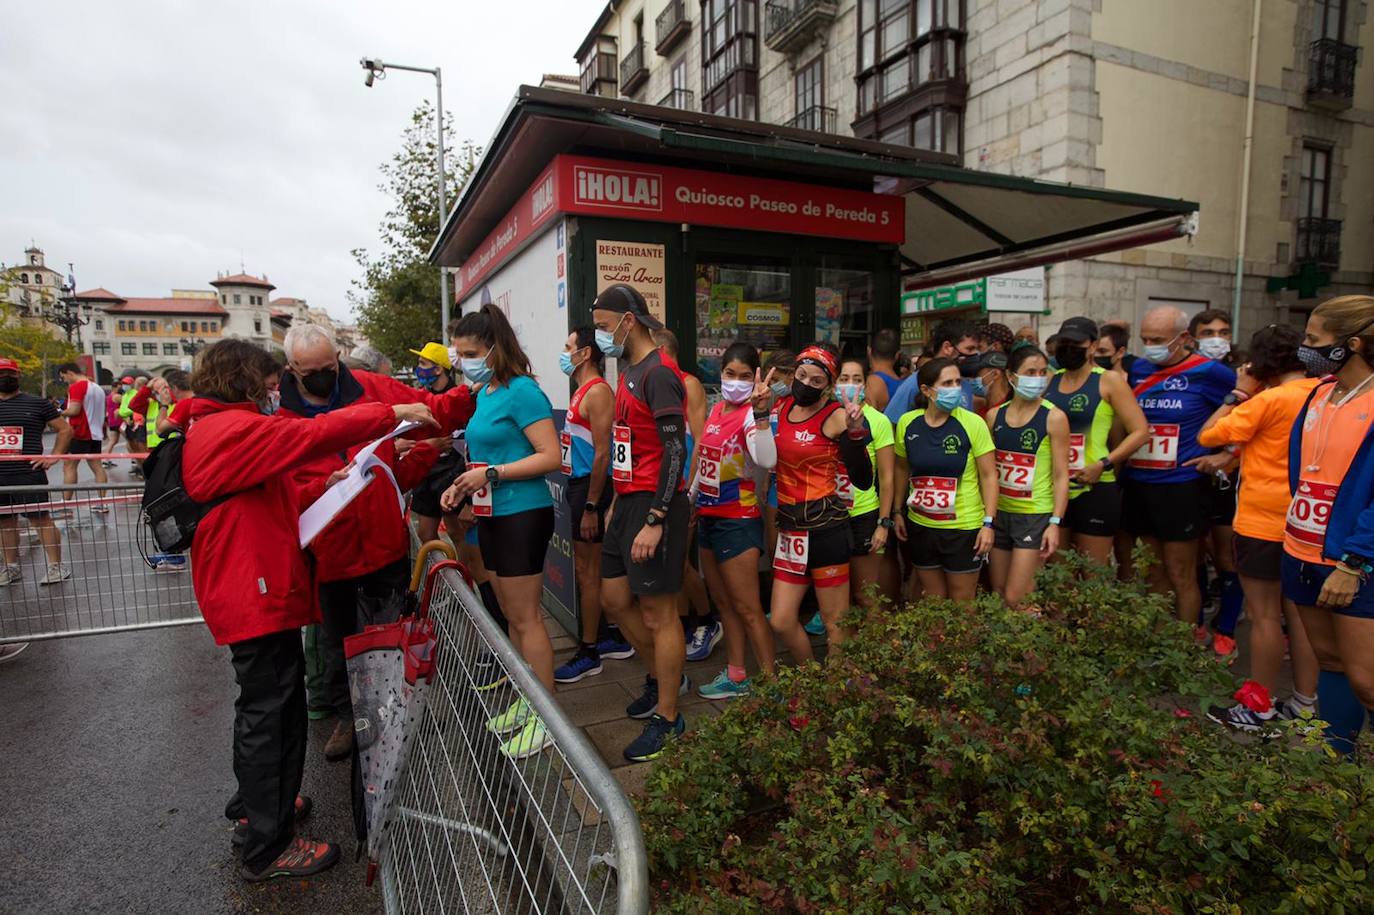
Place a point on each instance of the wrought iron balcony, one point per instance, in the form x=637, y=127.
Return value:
x=1319, y=242
x=683, y=99
x=818, y=117
x=791, y=24
x=671, y=26
x=633, y=73
x=1331, y=74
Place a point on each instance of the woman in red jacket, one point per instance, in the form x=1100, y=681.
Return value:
x=254, y=586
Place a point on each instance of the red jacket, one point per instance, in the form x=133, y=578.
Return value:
x=250, y=575
x=371, y=533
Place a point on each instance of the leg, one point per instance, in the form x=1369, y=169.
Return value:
x=1232, y=592
x=1337, y=703
x=1264, y=602
x=68, y=479
x=658, y=613
x=889, y=572
x=1300, y=652
x=1157, y=579
x=1020, y=579
x=339, y=609
x=619, y=606
x=999, y=568
x=98, y=469
x=961, y=586
x=587, y=568
x=50, y=536
x=833, y=600
x=729, y=620
x=786, y=602
x=741, y=581
x=932, y=582
x=426, y=527
x=1180, y=568
x=1098, y=549
x=519, y=596
x=1355, y=641
x=865, y=570
x=9, y=538
x=1122, y=544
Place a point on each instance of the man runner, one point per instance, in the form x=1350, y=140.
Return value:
x=86, y=411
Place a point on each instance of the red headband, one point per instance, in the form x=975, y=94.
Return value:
x=820, y=358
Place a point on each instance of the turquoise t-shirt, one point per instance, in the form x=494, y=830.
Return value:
x=496, y=435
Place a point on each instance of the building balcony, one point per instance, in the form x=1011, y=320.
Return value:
x=791, y=24
x=818, y=117
x=1331, y=74
x=671, y=26
x=1319, y=242
x=633, y=73
x=683, y=99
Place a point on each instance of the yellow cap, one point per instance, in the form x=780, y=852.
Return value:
x=436, y=353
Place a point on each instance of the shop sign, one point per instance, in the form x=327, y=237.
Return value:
x=639, y=265
x=1019, y=291
x=944, y=298
x=532, y=212
x=762, y=314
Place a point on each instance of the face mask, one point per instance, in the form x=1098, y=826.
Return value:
x=1214, y=347
x=1070, y=356
x=734, y=390
x=477, y=370
x=779, y=388
x=566, y=364
x=1031, y=387
x=948, y=398
x=320, y=383
x=426, y=377
x=1158, y=352
x=854, y=392
x=1104, y=362
x=979, y=387
x=804, y=394
x=605, y=341
x=9, y=384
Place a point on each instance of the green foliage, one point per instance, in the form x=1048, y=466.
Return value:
x=397, y=300
x=978, y=759
x=33, y=346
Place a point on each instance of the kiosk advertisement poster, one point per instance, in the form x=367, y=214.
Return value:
x=560, y=579
x=639, y=265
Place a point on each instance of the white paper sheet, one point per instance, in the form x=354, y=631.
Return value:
x=337, y=497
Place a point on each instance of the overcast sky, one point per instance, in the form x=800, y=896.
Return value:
x=154, y=144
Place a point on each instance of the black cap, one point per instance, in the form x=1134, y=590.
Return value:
x=626, y=298
x=1079, y=330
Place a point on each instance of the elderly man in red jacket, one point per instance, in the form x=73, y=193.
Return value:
x=362, y=563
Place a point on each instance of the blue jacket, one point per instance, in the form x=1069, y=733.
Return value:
x=1351, y=526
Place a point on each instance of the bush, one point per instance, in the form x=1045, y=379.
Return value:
x=977, y=759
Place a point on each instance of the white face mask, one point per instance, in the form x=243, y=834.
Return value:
x=735, y=391
x=1214, y=347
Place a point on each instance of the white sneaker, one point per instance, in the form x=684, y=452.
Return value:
x=10, y=575
x=57, y=573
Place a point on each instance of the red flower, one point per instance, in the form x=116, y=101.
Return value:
x=798, y=722
x=1254, y=696
x=1157, y=787
x=1182, y=713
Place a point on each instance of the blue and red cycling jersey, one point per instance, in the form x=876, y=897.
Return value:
x=1176, y=400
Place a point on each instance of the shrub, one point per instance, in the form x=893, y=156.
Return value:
x=978, y=759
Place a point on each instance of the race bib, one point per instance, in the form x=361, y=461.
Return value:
x=933, y=497
x=565, y=452
x=11, y=439
x=1015, y=474
x=844, y=488
x=1160, y=451
x=622, y=466
x=708, y=472
x=1077, y=447
x=792, y=553
x=481, y=499
x=1310, y=512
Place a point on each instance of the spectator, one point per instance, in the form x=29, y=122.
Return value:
x=882, y=376
x=113, y=424
x=370, y=359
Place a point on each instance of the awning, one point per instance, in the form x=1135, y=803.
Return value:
x=960, y=223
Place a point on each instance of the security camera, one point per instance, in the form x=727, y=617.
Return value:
x=373, y=68
x=368, y=77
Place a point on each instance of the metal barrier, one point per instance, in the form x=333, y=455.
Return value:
x=103, y=583
x=477, y=831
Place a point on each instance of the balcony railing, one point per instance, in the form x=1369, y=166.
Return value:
x=671, y=26
x=598, y=78
x=633, y=73
x=1319, y=242
x=1331, y=74
x=791, y=24
x=817, y=117
x=684, y=99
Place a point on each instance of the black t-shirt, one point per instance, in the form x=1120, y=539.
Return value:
x=23, y=418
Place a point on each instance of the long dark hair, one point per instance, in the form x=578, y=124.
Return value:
x=506, y=357
x=927, y=375
x=740, y=351
x=233, y=371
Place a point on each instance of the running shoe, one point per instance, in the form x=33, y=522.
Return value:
x=10, y=575
x=512, y=719
x=487, y=674
x=57, y=573
x=528, y=741
x=586, y=663
x=100, y=509
x=815, y=625
x=10, y=652
x=722, y=687
x=644, y=706
x=303, y=808
x=649, y=744
x=1224, y=647
x=1242, y=718
x=704, y=641
x=300, y=859
x=170, y=564
x=1202, y=636
x=615, y=648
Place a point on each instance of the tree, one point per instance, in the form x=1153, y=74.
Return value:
x=33, y=347
x=397, y=299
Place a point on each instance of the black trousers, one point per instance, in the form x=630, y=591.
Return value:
x=269, y=741
x=347, y=606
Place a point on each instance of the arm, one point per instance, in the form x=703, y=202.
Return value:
x=452, y=409
x=987, y=486
x=1059, y=454
x=897, y=481
x=875, y=392
x=598, y=405
x=543, y=438
x=1127, y=409
x=696, y=421
x=124, y=412
x=849, y=428
x=139, y=402
x=758, y=438
x=64, y=440
x=413, y=466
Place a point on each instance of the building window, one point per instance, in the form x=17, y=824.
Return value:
x=598, y=67
x=128, y=349
x=99, y=325
x=120, y=326
x=100, y=349
x=257, y=326
x=729, y=58
x=38, y=279
x=223, y=299
x=24, y=279
x=911, y=61
x=150, y=349
x=1314, y=188
x=1329, y=19
x=205, y=327
x=809, y=94
x=169, y=349
x=238, y=299
x=143, y=327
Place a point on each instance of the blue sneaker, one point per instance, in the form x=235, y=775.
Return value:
x=644, y=706
x=722, y=687
x=615, y=649
x=586, y=663
x=815, y=625
x=650, y=743
x=704, y=641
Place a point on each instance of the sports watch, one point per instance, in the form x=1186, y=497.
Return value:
x=1056, y=520
x=987, y=521
x=493, y=475
x=653, y=520
x=886, y=523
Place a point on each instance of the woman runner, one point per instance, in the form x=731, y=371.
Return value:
x=870, y=510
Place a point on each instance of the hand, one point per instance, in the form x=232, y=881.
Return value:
x=443, y=444
x=337, y=475
x=1247, y=382
x=1338, y=590
x=451, y=498
x=1209, y=464
x=466, y=520
x=43, y=463
x=467, y=483
x=591, y=524
x=1089, y=475
x=1049, y=544
x=762, y=398
x=646, y=543
x=853, y=413
x=413, y=412
x=691, y=517
x=899, y=526
x=403, y=445
x=983, y=544
x=879, y=540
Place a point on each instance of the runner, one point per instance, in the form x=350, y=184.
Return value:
x=946, y=453
x=512, y=444
x=815, y=435
x=153, y=401
x=1027, y=334
x=870, y=510
x=135, y=437
x=585, y=445
x=1166, y=502
x=953, y=340
x=23, y=417
x=1031, y=438
x=113, y=424
x=882, y=379
x=85, y=411
x=1093, y=399
x=1328, y=539
x=645, y=547
x=781, y=364
x=1110, y=352
x=1257, y=420
x=736, y=442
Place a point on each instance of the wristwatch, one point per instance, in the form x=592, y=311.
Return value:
x=1106, y=462
x=589, y=505
x=1230, y=400
x=987, y=521
x=1358, y=562
x=887, y=523
x=1056, y=520
x=653, y=520
x=493, y=475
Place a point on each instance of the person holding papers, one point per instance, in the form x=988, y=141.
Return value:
x=362, y=554
x=512, y=444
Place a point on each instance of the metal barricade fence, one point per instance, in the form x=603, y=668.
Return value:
x=476, y=831
x=100, y=582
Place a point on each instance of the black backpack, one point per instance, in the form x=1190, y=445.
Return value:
x=169, y=513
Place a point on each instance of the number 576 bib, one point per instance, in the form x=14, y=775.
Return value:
x=794, y=550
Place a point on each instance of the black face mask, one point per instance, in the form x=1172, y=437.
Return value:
x=320, y=383
x=804, y=395
x=1070, y=356
x=9, y=384
x=1104, y=362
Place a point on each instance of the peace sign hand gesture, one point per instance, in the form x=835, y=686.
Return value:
x=762, y=398
x=853, y=412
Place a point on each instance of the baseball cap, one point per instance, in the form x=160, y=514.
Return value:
x=127, y=379
x=436, y=353
x=1078, y=329
x=626, y=298
x=8, y=365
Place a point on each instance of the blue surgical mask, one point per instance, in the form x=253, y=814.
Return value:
x=605, y=341
x=948, y=398
x=853, y=392
x=978, y=387
x=566, y=364
x=1156, y=352
x=477, y=370
x=780, y=388
x=1031, y=387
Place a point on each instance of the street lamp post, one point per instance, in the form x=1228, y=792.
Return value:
x=67, y=312
x=376, y=69
x=191, y=346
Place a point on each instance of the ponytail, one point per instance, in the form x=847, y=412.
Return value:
x=490, y=326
